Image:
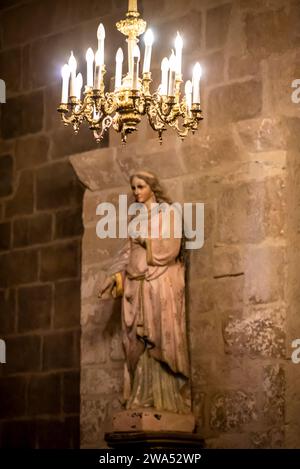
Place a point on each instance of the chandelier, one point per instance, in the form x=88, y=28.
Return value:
x=131, y=99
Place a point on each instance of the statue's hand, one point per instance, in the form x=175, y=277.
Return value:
x=107, y=286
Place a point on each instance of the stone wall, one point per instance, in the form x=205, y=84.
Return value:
x=40, y=222
x=243, y=289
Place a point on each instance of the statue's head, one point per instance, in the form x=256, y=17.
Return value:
x=151, y=185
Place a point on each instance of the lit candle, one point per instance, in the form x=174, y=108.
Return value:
x=136, y=66
x=178, y=50
x=101, y=37
x=197, y=72
x=79, y=83
x=188, y=95
x=65, y=73
x=164, y=76
x=132, y=6
x=97, y=76
x=148, y=38
x=73, y=66
x=119, y=64
x=172, y=62
x=89, y=67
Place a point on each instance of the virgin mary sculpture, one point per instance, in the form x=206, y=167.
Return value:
x=149, y=274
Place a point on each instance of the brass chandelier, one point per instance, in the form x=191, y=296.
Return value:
x=131, y=99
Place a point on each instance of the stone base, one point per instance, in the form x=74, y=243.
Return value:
x=138, y=441
x=152, y=421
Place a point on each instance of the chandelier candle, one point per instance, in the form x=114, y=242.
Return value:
x=136, y=66
x=188, y=96
x=164, y=76
x=101, y=37
x=73, y=67
x=172, y=64
x=196, y=83
x=89, y=67
x=65, y=73
x=119, y=65
x=132, y=98
x=148, y=50
x=79, y=83
x=178, y=50
x=97, y=76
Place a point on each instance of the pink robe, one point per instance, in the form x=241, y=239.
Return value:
x=154, y=325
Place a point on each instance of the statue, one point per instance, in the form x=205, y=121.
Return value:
x=149, y=274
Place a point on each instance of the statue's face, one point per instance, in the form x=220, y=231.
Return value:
x=141, y=190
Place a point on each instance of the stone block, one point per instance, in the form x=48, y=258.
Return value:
x=73, y=431
x=200, y=297
x=227, y=261
x=94, y=169
x=71, y=392
x=274, y=387
x=8, y=311
x=60, y=261
x=217, y=23
x=189, y=22
x=213, y=64
x=94, y=351
x=18, y=267
x=260, y=334
x=250, y=211
x=5, y=236
x=10, y=69
x=271, y=439
x=228, y=292
x=152, y=420
x=231, y=410
x=282, y=71
x=244, y=65
x=234, y=102
x=6, y=175
x=24, y=354
x=66, y=142
x=68, y=223
x=67, y=304
x=22, y=201
x=31, y=151
x=268, y=32
x=44, y=394
x=153, y=157
x=32, y=230
x=22, y=115
x=103, y=381
x=59, y=351
x=259, y=135
x=13, y=397
x=94, y=414
x=209, y=151
x=52, y=434
x=19, y=434
x=34, y=308
x=264, y=274
x=200, y=263
x=57, y=186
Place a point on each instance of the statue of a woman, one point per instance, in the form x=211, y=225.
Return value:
x=149, y=274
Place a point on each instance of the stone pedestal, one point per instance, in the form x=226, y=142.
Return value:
x=152, y=429
x=138, y=441
x=152, y=421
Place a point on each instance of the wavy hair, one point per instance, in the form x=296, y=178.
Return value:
x=160, y=195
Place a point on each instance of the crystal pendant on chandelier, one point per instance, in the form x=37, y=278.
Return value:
x=131, y=99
